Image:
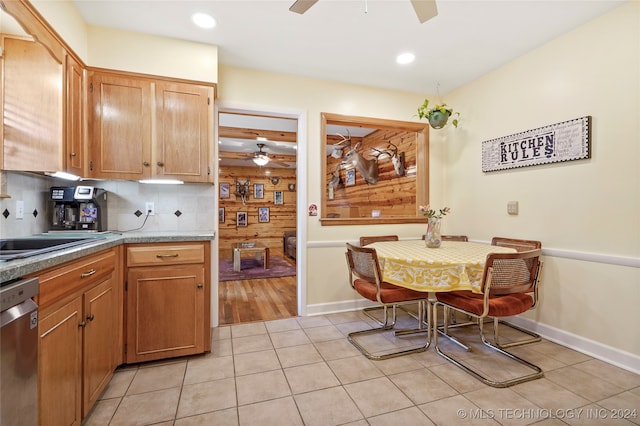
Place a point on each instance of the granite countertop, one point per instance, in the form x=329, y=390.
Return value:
x=16, y=268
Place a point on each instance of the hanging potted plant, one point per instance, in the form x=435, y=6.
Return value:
x=439, y=115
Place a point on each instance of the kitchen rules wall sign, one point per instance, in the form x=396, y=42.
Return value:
x=569, y=140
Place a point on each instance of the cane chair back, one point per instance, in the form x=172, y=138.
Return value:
x=377, y=238
x=454, y=238
x=519, y=245
x=463, y=238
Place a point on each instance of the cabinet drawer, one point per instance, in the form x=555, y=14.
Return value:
x=173, y=254
x=73, y=276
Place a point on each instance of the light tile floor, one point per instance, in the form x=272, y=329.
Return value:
x=303, y=371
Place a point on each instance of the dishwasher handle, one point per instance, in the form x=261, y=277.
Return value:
x=28, y=307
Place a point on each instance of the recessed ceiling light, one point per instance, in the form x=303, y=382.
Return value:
x=203, y=20
x=405, y=58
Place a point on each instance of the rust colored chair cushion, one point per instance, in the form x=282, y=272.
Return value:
x=389, y=293
x=499, y=306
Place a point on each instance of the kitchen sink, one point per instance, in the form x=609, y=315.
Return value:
x=19, y=248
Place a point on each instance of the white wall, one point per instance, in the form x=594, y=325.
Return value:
x=147, y=54
x=68, y=23
x=578, y=209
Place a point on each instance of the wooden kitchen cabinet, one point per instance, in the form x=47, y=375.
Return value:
x=80, y=329
x=143, y=128
x=60, y=365
x=32, y=107
x=120, y=127
x=75, y=120
x=43, y=109
x=168, y=304
x=184, y=127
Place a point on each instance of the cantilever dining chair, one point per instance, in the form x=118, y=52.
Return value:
x=365, y=277
x=519, y=245
x=506, y=283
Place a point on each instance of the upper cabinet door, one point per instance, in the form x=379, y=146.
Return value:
x=120, y=126
x=75, y=155
x=184, y=131
x=32, y=107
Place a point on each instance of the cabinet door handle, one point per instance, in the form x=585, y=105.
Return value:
x=73, y=154
x=88, y=274
x=82, y=324
x=200, y=285
x=90, y=317
x=166, y=255
x=160, y=163
x=146, y=164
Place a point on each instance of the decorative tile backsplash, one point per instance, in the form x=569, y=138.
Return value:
x=188, y=207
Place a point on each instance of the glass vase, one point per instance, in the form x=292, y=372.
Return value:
x=432, y=239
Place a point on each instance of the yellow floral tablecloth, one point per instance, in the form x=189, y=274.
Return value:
x=453, y=266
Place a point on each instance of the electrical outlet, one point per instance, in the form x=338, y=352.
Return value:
x=149, y=208
x=512, y=207
x=19, y=209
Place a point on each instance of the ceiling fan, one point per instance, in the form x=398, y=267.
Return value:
x=262, y=158
x=425, y=9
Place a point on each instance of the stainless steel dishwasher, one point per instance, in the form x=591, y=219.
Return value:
x=18, y=352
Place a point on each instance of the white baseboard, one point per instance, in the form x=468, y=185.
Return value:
x=617, y=357
x=343, y=306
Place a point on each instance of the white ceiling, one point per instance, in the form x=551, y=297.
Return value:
x=356, y=41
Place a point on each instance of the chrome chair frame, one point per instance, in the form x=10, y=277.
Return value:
x=386, y=325
x=534, y=276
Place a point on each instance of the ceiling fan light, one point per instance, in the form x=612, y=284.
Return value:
x=261, y=160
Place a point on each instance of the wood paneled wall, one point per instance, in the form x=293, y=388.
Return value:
x=393, y=195
x=281, y=217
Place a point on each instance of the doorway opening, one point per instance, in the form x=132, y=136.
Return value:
x=257, y=210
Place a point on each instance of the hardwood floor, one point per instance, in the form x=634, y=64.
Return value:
x=257, y=300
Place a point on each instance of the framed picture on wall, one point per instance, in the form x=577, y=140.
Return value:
x=351, y=177
x=278, y=197
x=221, y=215
x=263, y=214
x=258, y=190
x=241, y=219
x=224, y=190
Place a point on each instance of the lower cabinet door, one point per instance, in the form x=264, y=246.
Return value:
x=165, y=312
x=60, y=365
x=99, y=340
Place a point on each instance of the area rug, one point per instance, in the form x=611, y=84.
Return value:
x=251, y=269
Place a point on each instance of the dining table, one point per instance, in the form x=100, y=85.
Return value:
x=455, y=265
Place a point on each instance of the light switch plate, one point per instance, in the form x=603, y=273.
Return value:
x=512, y=207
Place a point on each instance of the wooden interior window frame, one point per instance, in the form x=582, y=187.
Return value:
x=422, y=167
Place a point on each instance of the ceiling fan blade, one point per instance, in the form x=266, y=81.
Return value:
x=301, y=6
x=425, y=9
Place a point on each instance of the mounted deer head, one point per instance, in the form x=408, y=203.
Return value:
x=367, y=168
x=242, y=189
x=396, y=159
